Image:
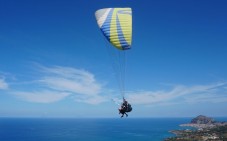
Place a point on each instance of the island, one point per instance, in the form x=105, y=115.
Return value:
x=203, y=129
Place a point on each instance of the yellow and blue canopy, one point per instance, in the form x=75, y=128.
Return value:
x=116, y=26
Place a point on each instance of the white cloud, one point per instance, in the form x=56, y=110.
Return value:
x=56, y=83
x=41, y=96
x=71, y=79
x=198, y=93
x=3, y=84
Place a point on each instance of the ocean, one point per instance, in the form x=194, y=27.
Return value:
x=88, y=129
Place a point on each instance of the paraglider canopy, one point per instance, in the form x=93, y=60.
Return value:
x=116, y=26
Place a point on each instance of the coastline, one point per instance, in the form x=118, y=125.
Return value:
x=203, y=130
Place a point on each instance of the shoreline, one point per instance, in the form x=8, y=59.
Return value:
x=215, y=131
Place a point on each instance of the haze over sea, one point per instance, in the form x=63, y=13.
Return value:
x=88, y=129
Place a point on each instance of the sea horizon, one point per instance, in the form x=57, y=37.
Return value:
x=89, y=129
x=58, y=117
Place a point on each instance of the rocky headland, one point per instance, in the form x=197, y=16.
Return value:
x=204, y=129
x=202, y=122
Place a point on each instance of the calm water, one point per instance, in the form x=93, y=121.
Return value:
x=35, y=129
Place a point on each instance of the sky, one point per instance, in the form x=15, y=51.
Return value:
x=54, y=61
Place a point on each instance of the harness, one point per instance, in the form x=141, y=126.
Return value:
x=129, y=108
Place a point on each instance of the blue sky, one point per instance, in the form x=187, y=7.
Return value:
x=54, y=63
